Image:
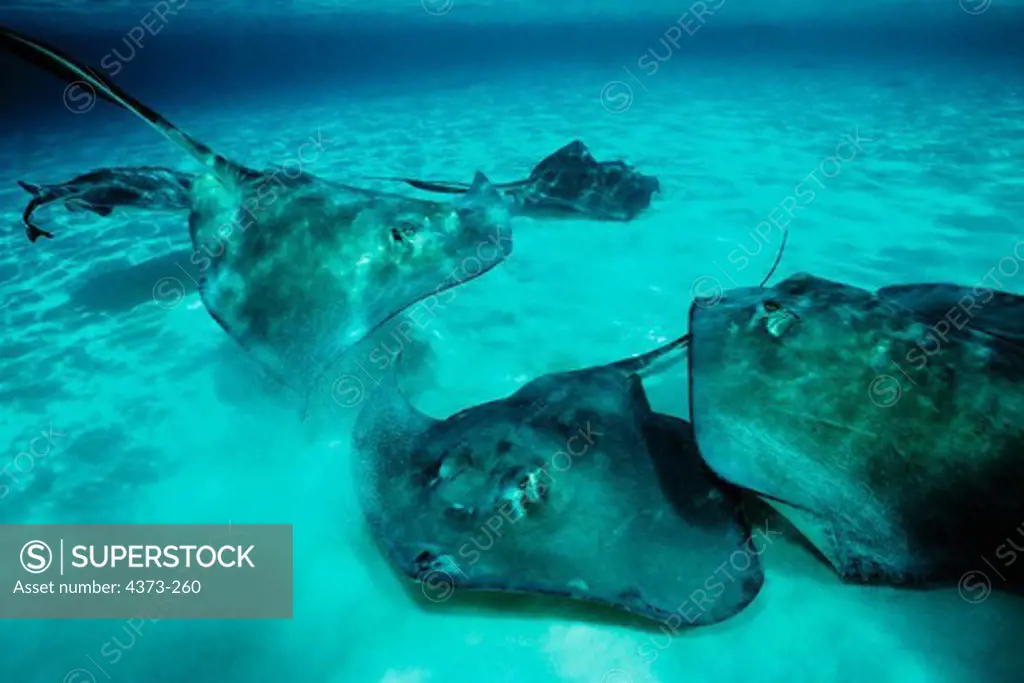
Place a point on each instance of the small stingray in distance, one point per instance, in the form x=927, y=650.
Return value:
x=569, y=182
x=298, y=269
x=887, y=426
x=104, y=189
x=572, y=487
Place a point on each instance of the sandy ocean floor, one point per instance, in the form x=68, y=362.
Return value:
x=167, y=421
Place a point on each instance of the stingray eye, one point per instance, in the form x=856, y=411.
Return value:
x=520, y=490
x=402, y=233
x=459, y=512
x=775, y=319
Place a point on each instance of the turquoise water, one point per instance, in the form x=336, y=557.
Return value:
x=166, y=420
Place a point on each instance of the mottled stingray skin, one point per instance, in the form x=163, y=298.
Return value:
x=299, y=271
x=570, y=182
x=888, y=427
x=104, y=189
x=296, y=268
x=570, y=487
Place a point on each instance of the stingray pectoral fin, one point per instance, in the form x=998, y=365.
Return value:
x=71, y=71
x=820, y=532
x=859, y=553
x=572, y=155
x=442, y=186
x=483, y=200
x=481, y=192
x=385, y=412
x=384, y=435
x=714, y=530
x=101, y=210
x=30, y=188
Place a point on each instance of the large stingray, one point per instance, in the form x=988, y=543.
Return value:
x=888, y=427
x=571, y=487
x=298, y=269
x=569, y=182
x=104, y=189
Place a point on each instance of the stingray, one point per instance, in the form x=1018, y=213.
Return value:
x=105, y=189
x=568, y=183
x=570, y=487
x=577, y=488
x=299, y=269
x=887, y=427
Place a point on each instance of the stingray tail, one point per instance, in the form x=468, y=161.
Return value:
x=657, y=360
x=665, y=356
x=444, y=186
x=31, y=231
x=73, y=72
